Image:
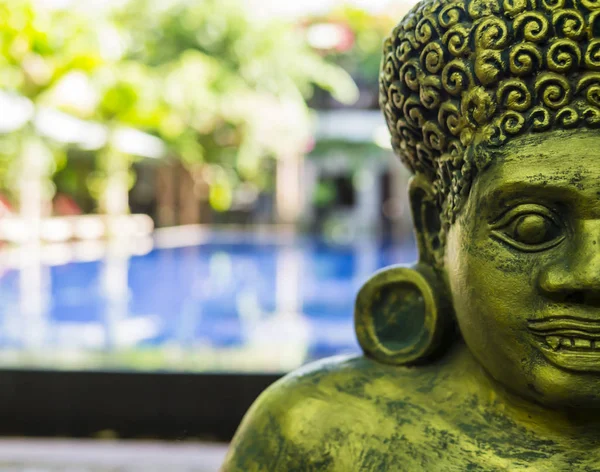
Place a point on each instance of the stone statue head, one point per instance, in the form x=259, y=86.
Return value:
x=495, y=108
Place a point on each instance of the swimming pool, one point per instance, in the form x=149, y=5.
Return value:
x=231, y=303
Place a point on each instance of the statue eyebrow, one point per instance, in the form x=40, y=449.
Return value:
x=555, y=191
x=566, y=198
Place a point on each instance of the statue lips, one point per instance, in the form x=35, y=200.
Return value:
x=570, y=343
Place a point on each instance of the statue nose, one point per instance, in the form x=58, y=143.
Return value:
x=576, y=277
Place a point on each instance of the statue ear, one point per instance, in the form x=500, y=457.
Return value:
x=427, y=221
x=403, y=315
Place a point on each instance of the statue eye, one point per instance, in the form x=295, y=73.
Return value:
x=529, y=228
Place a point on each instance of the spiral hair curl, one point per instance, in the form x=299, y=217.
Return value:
x=478, y=72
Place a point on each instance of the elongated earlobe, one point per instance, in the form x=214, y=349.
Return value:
x=403, y=315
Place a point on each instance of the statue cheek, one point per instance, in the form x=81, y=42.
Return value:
x=493, y=294
x=493, y=288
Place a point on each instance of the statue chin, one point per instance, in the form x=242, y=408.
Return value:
x=567, y=390
x=548, y=386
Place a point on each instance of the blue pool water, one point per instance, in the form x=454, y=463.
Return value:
x=223, y=305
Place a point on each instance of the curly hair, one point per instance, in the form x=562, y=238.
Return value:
x=467, y=73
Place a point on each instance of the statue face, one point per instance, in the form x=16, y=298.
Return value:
x=523, y=264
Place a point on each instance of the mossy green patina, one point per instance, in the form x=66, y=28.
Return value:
x=485, y=355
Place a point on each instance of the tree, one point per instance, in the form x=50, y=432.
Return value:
x=235, y=89
x=226, y=94
x=38, y=47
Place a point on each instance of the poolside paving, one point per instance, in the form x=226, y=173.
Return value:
x=22, y=455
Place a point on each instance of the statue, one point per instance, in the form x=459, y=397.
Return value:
x=485, y=355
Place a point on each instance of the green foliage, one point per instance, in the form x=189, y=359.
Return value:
x=9, y=148
x=270, y=57
x=234, y=89
x=362, y=60
x=219, y=88
x=39, y=46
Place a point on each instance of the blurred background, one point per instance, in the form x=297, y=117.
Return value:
x=191, y=194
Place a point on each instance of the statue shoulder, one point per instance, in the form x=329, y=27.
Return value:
x=312, y=418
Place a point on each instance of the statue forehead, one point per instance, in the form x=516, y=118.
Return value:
x=555, y=166
x=558, y=153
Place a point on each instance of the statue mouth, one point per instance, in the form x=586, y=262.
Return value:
x=568, y=342
x=567, y=333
